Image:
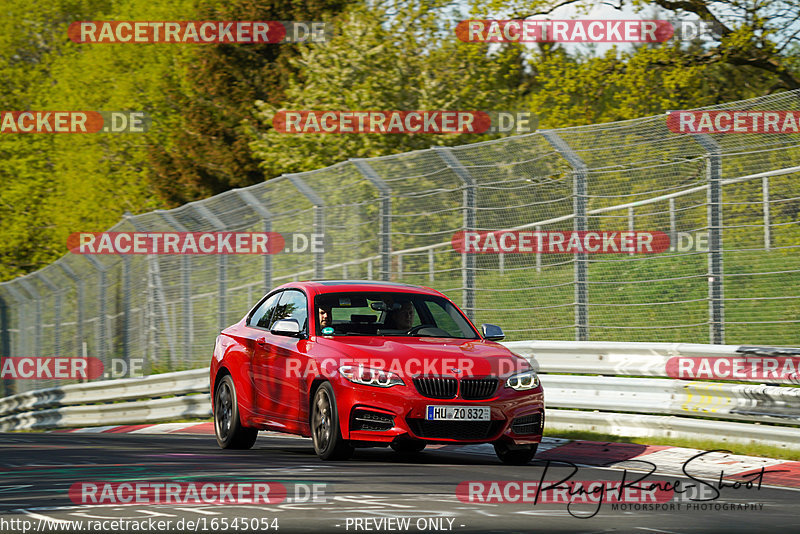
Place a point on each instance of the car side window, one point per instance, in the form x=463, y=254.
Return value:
x=292, y=306
x=261, y=317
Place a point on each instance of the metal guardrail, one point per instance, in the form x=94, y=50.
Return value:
x=178, y=383
x=575, y=402
x=634, y=358
x=670, y=426
x=769, y=404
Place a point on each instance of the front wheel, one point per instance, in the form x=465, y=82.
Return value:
x=325, y=431
x=515, y=456
x=227, y=426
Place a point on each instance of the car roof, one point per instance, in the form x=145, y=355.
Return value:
x=336, y=286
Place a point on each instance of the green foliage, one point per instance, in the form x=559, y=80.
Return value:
x=207, y=151
x=379, y=61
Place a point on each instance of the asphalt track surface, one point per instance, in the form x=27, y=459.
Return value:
x=377, y=484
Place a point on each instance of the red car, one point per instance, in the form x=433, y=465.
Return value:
x=362, y=364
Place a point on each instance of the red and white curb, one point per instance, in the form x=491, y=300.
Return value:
x=668, y=460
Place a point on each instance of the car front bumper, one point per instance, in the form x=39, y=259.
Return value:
x=382, y=415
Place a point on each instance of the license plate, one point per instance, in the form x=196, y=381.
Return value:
x=458, y=413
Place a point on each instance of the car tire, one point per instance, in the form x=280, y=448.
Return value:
x=408, y=446
x=515, y=456
x=227, y=426
x=325, y=430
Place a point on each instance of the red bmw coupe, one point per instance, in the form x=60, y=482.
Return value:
x=363, y=364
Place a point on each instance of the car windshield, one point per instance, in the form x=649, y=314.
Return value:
x=390, y=314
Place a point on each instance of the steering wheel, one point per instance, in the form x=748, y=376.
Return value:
x=417, y=328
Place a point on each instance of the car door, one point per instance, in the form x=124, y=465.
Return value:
x=282, y=360
x=259, y=324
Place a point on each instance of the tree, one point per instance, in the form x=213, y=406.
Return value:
x=385, y=58
x=207, y=152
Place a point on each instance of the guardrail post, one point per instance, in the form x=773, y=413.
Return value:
x=716, y=305
x=470, y=225
x=266, y=215
x=319, y=219
x=56, y=311
x=79, y=308
x=385, y=215
x=579, y=173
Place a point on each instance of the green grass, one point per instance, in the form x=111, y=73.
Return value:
x=637, y=298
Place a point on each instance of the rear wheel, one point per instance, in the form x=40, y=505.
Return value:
x=515, y=456
x=408, y=446
x=325, y=430
x=227, y=426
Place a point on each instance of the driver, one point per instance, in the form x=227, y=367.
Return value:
x=403, y=318
x=325, y=316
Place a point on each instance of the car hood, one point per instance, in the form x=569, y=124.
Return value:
x=414, y=356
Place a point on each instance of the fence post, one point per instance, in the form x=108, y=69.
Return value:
x=673, y=227
x=319, y=219
x=79, y=290
x=579, y=173
x=767, y=219
x=5, y=344
x=538, y=229
x=385, y=215
x=102, y=345
x=186, y=291
x=37, y=318
x=716, y=305
x=56, y=311
x=222, y=263
x=266, y=215
x=470, y=225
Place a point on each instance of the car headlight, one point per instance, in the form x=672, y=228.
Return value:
x=523, y=381
x=370, y=377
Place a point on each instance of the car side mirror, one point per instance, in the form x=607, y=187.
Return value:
x=492, y=332
x=286, y=327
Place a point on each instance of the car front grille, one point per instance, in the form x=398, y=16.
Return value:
x=445, y=387
x=529, y=424
x=437, y=387
x=454, y=429
x=478, y=388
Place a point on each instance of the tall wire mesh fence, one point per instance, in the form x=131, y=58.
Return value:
x=392, y=218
